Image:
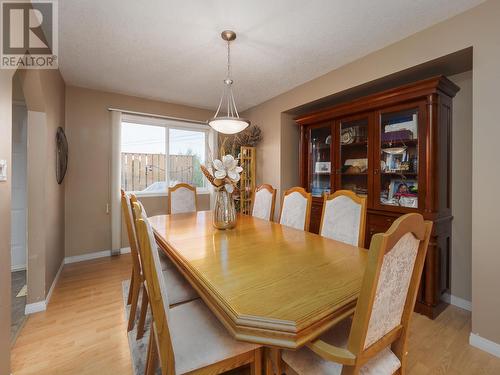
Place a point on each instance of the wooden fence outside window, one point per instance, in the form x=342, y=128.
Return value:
x=142, y=170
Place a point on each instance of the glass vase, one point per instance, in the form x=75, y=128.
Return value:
x=224, y=210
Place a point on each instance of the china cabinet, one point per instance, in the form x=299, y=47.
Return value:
x=394, y=147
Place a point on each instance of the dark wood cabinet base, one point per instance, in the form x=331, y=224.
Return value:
x=432, y=311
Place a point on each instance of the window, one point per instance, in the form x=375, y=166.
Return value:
x=157, y=153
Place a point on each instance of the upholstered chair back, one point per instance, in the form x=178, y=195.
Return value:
x=343, y=217
x=263, y=202
x=389, y=288
x=182, y=198
x=392, y=288
x=296, y=208
x=156, y=288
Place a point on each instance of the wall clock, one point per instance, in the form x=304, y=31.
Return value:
x=61, y=155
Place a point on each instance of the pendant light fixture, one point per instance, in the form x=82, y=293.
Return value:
x=231, y=122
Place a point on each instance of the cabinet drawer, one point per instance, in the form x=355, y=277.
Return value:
x=377, y=224
x=382, y=221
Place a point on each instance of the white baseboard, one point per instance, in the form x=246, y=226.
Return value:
x=125, y=250
x=56, y=279
x=95, y=255
x=484, y=344
x=457, y=301
x=35, y=307
x=39, y=306
x=89, y=256
x=18, y=267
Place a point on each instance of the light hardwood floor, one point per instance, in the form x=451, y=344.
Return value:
x=83, y=331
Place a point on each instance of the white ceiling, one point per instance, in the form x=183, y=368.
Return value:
x=172, y=51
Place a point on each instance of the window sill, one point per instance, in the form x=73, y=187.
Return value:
x=139, y=194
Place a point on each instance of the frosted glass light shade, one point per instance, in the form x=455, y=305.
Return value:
x=228, y=125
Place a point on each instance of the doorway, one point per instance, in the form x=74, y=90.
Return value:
x=19, y=220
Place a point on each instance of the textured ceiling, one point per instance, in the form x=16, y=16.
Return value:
x=172, y=51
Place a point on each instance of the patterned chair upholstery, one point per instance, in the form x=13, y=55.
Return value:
x=379, y=330
x=263, y=202
x=343, y=218
x=182, y=198
x=296, y=208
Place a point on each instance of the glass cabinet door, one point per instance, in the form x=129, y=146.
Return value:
x=399, y=158
x=352, y=167
x=320, y=160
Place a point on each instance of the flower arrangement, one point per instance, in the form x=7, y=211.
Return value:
x=223, y=173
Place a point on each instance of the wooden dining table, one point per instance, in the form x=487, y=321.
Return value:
x=267, y=283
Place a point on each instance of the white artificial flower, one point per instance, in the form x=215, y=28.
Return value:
x=227, y=167
x=229, y=162
x=220, y=174
x=234, y=173
x=220, y=171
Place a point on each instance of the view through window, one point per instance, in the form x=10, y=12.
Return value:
x=145, y=167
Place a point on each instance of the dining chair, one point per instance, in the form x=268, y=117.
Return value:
x=136, y=278
x=264, y=199
x=344, y=217
x=186, y=338
x=296, y=208
x=180, y=289
x=375, y=340
x=182, y=198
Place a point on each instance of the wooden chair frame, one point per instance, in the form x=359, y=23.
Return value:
x=160, y=343
x=306, y=195
x=355, y=355
x=179, y=186
x=357, y=199
x=271, y=190
x=137, y=277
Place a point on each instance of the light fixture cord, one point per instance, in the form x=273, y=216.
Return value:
x=228, y=59
x=227, y=91
x=228, y=80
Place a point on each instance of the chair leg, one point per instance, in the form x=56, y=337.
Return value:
x=268, y=365
x=273, y=362
x=129, y=299
x=135, y=299
x=151, y=357
x=144, y=313
x=256, y=365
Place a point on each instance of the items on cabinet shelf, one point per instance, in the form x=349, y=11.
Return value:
x=361, y=164
x=322, y=167
x=402, y=126
x=400, y=192
x=353, y=134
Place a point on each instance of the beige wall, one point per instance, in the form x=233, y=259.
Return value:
x=88, y=226
x=479, y=28
x=54, y=94
x=44, y=95
x=461, y=259
x=5, y=195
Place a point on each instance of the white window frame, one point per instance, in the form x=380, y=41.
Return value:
x=210, y=144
